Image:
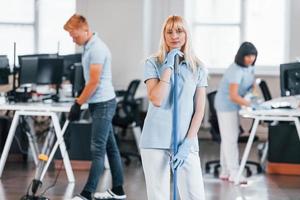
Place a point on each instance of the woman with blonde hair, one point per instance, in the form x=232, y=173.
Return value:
x=156, y=142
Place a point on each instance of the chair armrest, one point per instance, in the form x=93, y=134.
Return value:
x=120, y=93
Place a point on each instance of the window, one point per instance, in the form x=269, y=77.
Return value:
x=17, y=23
x=219, y=27
x=36, y=26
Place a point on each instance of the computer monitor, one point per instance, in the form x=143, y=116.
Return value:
x=77, y=80
x=4, y=61
x=4, y=70
x=69, y=60
x=42, y=55
x=290, y=79
x=49, y=71
x=28, y=70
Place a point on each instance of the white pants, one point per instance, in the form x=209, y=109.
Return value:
x=229, y=130
x=156, y=165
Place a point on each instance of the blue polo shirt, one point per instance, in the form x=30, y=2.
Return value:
x=157, y=129
x=243, y=76
x=96, y=52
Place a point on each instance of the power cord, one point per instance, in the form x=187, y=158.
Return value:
x=40, y=197
x=56, y=178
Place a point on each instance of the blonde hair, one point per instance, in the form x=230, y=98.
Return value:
x=76, y=22
x=179, y=23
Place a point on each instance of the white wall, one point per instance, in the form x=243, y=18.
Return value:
x=132, y=28
x=294, y=29
x=120, y=24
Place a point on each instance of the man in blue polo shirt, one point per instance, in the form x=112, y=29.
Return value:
x=99, y=94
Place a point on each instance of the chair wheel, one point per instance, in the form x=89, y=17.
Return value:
x=216, y=173
x=127, y=162
x=207, y=169
x=248, y=171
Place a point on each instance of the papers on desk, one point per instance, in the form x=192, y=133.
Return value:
x=282, y=103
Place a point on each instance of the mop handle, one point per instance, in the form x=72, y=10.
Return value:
x=175, y=122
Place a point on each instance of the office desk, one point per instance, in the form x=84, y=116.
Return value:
x=271, y=115
x=40, y=109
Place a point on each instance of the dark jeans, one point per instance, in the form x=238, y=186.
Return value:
x=103, y=141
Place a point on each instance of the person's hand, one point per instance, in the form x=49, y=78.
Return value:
x=183, y=151
x=74, y=113
x=170, y=58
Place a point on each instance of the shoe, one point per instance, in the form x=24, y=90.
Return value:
x=79, y=197
x=108, y=195
x=243, y=179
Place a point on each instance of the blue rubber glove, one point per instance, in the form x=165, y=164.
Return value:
x=170, y=58
x=183, y=151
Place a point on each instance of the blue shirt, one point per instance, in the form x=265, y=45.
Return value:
x=243, y=76
x=96, y=52
x=157, y=129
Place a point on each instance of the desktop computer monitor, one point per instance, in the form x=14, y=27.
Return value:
x=69, y=60
x=77, y=80
x=43, y=55
x=28, y=70
x=290, y=79
x=4, y=61
x=4, y=70
x=49, y=71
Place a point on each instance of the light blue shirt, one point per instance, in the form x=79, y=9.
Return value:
x=96, y=52
x=243, y=76
x=157, y=129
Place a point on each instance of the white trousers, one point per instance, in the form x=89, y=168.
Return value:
x=229, y=130
x=156, y=165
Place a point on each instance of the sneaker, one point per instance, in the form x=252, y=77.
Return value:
x=79, y=197
x=108, y=195
x=243, y=179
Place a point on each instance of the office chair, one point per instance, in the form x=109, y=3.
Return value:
x=264, y=89
x=127, y=116
x=215, y=132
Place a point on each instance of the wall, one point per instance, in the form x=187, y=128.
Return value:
x=294, y=30
x=132, y=28
x=120, y=25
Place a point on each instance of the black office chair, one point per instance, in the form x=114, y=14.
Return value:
x=264, y=89
x=215, y=132
x=127, y=116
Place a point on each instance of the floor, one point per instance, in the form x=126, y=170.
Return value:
x=17, y=177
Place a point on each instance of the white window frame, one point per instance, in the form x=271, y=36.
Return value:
x=33, y=24
x=260, y=70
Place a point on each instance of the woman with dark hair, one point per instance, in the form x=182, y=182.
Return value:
x=236, y=82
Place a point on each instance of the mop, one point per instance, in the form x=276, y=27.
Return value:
x=43, y=158
x=175, y=122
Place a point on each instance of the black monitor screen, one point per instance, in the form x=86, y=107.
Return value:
x=49, y=71
x=69, y=60
x=43, y=55
x=4, y=69
x=290, y=79
x=4, y=61
x=78, y=81
x=28, y=70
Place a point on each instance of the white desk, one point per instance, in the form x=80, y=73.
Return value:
x=271, y=115
x=40, y=109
